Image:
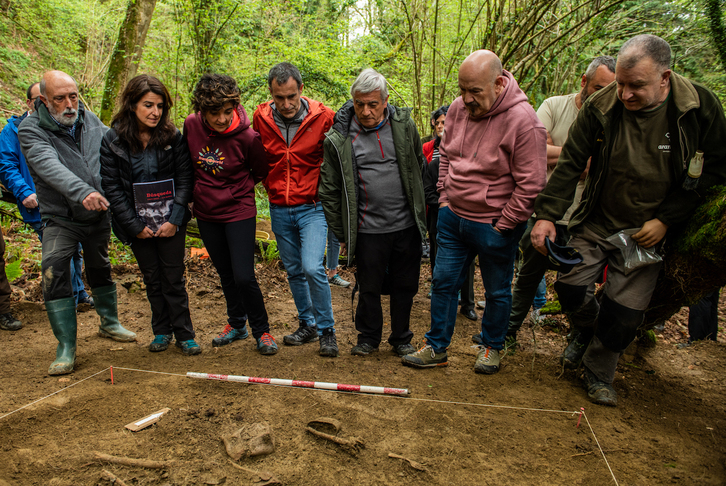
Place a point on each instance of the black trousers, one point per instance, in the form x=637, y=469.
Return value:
x=231, y=246
x=392, y=260
x=703, y=318
x=5, y=290
x=161, y=261
x=60, y=243
x=467, y=288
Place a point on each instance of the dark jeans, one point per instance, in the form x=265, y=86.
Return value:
x=387, y=263
x=161, y=261
x=460, y=240
x=534, y=266
x=467, y=288
x=5, y=290
x=703, y=318
x=60, y=244
x=79, y=289
x=231, y=247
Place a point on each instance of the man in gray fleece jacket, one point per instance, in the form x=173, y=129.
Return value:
x=61, y=142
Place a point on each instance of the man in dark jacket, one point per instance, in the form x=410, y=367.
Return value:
x=15, y=176
x=373, y=198
x=292, y=128
x=61, y=143
x=642, y=133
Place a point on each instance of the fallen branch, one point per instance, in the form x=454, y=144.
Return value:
x=242, y=468
x=112, y=477
x=128, y=461
x=351, y=445
x=416, y=465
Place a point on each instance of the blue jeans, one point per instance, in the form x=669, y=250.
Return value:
x=459, y=241
x=79, y=289
x=300, y=232
x=333, y=253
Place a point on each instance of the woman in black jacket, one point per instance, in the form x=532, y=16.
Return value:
x=144, y=147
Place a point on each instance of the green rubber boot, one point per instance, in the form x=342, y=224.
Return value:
x=105, y=299
x=62, y=317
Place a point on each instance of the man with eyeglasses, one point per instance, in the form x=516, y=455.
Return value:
x=16, y=178
x=61, y=142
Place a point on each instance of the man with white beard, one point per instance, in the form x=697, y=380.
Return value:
x=61, y=143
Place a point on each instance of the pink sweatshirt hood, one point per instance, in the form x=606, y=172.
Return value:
x=494, y=167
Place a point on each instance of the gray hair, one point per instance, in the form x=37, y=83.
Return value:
x=282, y=72
x=42, y=87
x=642, y=46
x=368, y=81
x=607, y=61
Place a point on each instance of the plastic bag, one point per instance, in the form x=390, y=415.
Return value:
x=635, y=256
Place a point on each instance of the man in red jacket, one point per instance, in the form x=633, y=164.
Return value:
x=292, y=128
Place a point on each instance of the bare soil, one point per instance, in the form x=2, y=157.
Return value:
x=508, y=428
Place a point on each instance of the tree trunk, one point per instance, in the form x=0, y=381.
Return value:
x=695, y=262
x=718, y=30
x=126, y=54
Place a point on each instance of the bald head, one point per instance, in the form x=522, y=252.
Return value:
x=481, y=80
x=59, y=93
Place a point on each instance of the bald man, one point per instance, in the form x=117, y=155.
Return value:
x=642, y=133
x=61, y=143
x=493, y=159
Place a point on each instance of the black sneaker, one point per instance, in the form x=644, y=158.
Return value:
x=87, y=300
x=404, y=349
x=328, y=344
x=362, y=349
x=469, y=314
x=8, y=322
x=304, y=334
x=599, y=392
x=573, y=353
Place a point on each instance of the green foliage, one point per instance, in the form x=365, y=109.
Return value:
x=706, y=234
x=13, y=271
x=262, y=203
x=269, y=253
x=552, y=307
x=120, y=254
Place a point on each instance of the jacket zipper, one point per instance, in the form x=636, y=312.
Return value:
x=345, y=191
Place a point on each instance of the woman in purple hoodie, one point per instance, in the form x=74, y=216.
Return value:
x=229, y=159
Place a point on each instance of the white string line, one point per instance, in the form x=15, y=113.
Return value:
x=147, y=371
x=601, y=451
x=55, y=393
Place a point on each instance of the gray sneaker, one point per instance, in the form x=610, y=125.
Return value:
x=426, y=357
x=487, y=361
x=363, y=349
x=404, y=349
x=8, y=322
x=328, y=344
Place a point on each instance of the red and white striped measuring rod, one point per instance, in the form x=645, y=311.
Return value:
x=303, y=384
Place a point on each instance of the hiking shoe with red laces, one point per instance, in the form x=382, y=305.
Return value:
x=266, y=344
x=487, y=361
x=426, y=357
x=228, y=335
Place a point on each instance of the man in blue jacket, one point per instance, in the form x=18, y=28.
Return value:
x=15, y=176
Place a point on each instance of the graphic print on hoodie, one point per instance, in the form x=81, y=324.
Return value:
x=227, y=166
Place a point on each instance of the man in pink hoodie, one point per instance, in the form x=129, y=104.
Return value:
x=493, y=159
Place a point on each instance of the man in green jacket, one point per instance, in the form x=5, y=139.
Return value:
x=373, y=198
x=642, y=133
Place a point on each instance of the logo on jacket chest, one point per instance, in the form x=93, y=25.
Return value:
x=211, y=161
